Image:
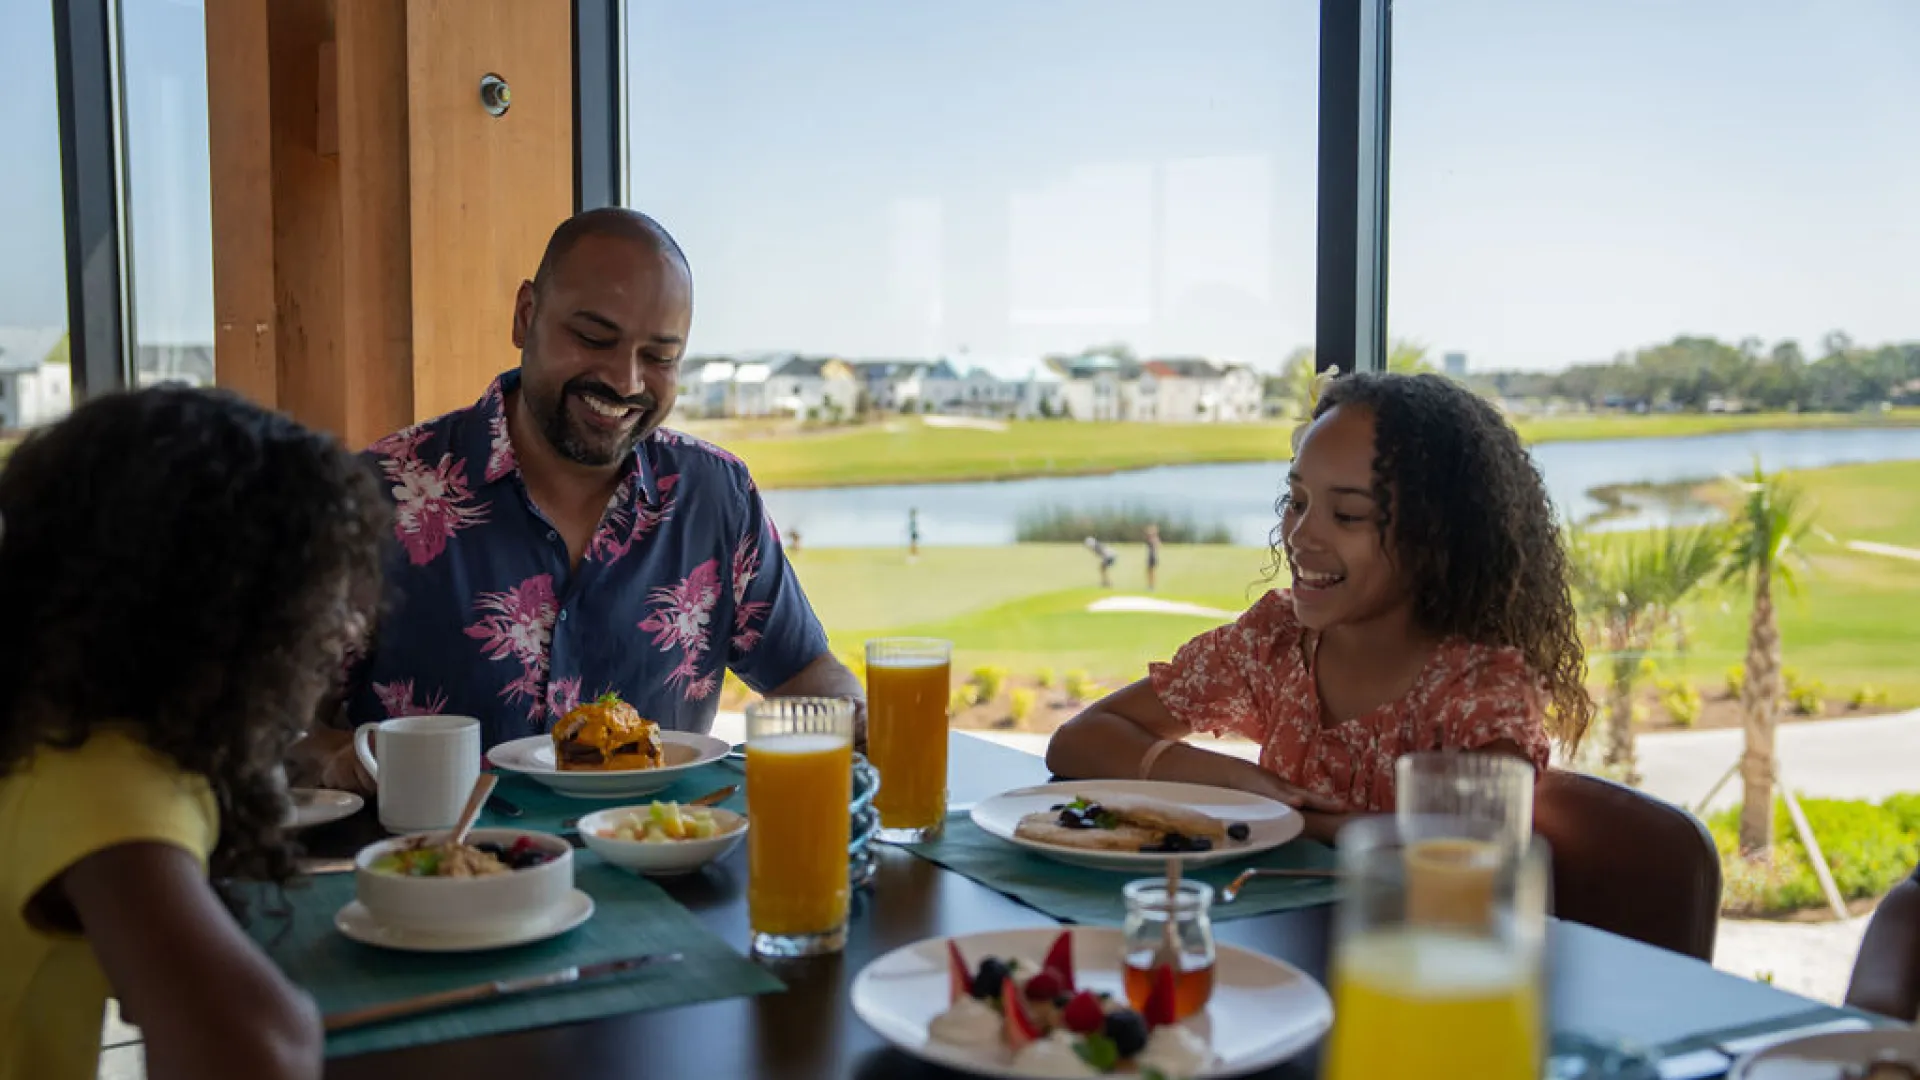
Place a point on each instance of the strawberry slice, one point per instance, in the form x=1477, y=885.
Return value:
x=1020, y=1028
x=959, y=980
x=1160, y=1005
x=1060, y=960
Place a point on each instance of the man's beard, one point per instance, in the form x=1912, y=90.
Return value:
x=581, y=444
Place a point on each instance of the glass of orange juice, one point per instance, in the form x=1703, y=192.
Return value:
x=799, y=788
x=908, y=684
x=1437, y=961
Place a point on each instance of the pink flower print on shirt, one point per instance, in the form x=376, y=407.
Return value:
x=397, y=699
x=500, y=459
x=681, y=617
x=746, y=566
x=518, y=625
x=431, y=501
x=629, y=521
x=562, y=696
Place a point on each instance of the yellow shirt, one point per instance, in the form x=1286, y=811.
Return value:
x=56, y=809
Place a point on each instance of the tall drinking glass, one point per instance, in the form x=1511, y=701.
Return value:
x=908, y=684
x=1493, y=788
x=799, y=786
x=1437, y=963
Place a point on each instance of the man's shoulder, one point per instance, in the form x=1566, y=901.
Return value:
x=428, y=440
x=689, y=457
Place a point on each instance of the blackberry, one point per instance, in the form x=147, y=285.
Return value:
x=991, y=976
x=1238, y=831
x=1128, y=1030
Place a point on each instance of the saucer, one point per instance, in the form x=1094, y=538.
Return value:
x=357, y=923
x=320, y=806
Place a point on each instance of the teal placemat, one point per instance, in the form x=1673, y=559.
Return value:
x=1815, y=1014
x=542, y=810
x=1074, y=894
x=631, y=916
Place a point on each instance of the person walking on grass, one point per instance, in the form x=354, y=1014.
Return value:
x=1153, y=556
x=913, y=533
x=1106, y=557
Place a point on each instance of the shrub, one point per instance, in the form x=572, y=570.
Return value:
x=1681, y=700
x=961, y=700
x=1079, y=687
x=856, y=662
x=1736, y=680
x=1868, y=697
x=1022, y=706
x=1807, y=699
x=732, y=688
x=1125, y=524
x=987, y=680
x=1869, y=847
x=1045, y=678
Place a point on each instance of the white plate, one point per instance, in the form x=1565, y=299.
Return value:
x=1270, y=823
x=319, y=806
x=358, y=923
x=1823, y=1057
x=1263, y=1011
x=684, y=751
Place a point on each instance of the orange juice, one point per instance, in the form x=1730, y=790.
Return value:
x=1426, y=1003
x=799, y=787
x=1451, y=882
x=907, y=740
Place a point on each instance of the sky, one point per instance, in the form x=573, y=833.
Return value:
x=1011, y=177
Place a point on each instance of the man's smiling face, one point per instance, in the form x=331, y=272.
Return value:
x=600, y=343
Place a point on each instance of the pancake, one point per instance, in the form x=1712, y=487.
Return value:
x=1044, y=827
x=1138, y=824
x=1165, y=817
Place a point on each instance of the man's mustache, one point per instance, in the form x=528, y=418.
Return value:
x=594, y=388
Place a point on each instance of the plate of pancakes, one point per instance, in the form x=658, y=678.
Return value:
x=1137, y=825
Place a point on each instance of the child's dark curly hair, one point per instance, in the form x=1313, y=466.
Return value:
x=195, y=566
x=1467, y=519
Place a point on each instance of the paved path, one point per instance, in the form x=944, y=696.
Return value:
x=1869, y=758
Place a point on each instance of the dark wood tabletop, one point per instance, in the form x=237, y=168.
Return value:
x=1601, y=984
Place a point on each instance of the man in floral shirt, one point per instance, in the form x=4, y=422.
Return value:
x=555, y=542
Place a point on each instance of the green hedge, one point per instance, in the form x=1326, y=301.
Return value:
x=1871, y=847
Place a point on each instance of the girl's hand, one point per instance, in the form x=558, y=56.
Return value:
x=1297, y=797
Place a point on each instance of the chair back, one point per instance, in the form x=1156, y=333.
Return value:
x=1628, y=863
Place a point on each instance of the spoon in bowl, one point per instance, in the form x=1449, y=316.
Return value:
x=482, y=788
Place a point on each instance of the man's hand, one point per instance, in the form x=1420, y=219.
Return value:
x=326, y=758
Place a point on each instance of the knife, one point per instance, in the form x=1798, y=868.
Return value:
x=467, y=995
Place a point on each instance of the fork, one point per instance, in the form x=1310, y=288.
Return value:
x=1232, y=891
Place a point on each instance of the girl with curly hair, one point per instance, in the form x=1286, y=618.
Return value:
x=182, y=574
x=1428, y=610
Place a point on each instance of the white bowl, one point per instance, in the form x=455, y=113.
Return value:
x=473, y=905
x=663, y=858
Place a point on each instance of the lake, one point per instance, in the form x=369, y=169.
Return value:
x=1241, y=497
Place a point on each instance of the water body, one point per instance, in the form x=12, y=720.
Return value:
x=1241, y=497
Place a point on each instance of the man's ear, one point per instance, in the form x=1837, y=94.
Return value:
x=523, y=306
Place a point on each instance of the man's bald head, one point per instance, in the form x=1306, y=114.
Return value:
x=611, y=222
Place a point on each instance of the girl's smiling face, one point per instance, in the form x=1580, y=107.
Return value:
x=1331, y=526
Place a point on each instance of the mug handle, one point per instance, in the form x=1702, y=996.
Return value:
x=362, y=746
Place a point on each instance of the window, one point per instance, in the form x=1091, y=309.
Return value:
x=169, y=216
x=34, y=383
x=989, y=185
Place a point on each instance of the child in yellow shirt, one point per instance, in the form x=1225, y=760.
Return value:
x=181, y=574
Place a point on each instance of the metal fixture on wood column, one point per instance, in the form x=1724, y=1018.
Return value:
x=495, y=95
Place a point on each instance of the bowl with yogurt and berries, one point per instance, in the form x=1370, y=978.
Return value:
x=1053, y=1003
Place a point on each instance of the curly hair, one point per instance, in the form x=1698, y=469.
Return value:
x=194, y=566
x=1466, y=518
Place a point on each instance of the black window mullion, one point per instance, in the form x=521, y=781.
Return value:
x=98, y=320
x=1355, y=63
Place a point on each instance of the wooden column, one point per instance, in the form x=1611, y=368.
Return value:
x=371, y=219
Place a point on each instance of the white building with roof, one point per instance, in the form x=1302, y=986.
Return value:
x=32, y=390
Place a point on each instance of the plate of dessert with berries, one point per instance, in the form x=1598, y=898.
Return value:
x=1137, y=825
x=1031, y=1003
x=604, y=749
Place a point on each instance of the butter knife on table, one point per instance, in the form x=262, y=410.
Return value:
x=487, y=991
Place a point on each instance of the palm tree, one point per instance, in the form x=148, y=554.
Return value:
x=1631, y=586
x=1773, y=519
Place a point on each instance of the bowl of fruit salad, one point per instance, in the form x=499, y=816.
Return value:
x=663, y=839
x=497, y=879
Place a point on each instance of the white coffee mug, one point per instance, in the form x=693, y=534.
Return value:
x=426, y=769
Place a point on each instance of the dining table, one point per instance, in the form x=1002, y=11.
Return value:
x=1673, y=1007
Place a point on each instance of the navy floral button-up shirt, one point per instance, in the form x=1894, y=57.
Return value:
x=684, y=578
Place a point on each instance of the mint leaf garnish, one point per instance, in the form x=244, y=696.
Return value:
x=1098, y=1051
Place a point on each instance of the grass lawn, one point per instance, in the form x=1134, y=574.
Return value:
x=907, y=450
x=1856, y=621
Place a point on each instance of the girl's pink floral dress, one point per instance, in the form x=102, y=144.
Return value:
x=1250, y=678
